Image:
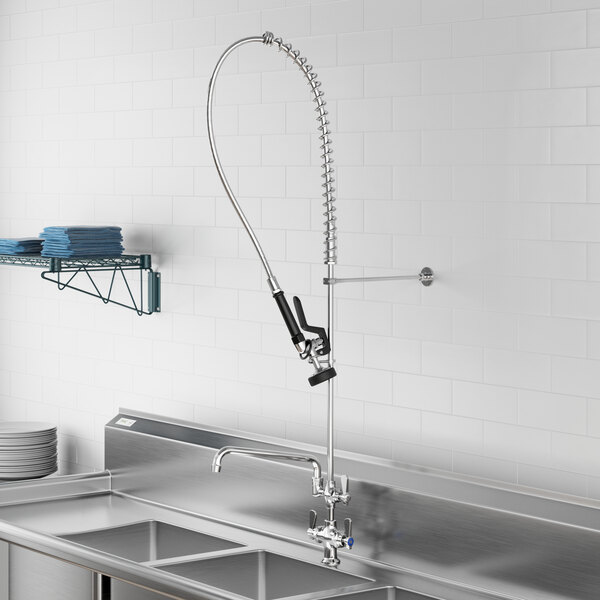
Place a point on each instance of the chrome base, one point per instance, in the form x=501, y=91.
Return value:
x=331, y=558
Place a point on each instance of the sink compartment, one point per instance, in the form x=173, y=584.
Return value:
x=262, y=575
x=150, y=540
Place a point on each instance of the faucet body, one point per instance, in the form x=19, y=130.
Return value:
x=332, y=539
x=328, y=534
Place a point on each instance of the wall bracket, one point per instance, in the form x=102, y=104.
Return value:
x=64, y=271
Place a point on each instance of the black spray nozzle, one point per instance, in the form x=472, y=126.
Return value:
x=288, y=317
x=322, y=376
x=309, y=351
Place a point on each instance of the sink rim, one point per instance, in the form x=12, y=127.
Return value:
x=364, y=584
x=66, y=537
x=250, y=549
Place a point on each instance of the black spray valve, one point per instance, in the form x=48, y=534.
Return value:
x=324, y=347
x=308, y=349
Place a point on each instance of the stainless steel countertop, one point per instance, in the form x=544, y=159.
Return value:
x=38, y=525
x=452, y=538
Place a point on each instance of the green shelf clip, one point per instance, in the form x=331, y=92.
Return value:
x=65, y=271
x=154, y=291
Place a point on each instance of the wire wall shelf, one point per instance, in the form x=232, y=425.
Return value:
x=69, y=272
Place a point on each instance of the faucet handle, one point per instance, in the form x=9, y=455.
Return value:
x=312, y=519
x=348, y=528
x=345, y=484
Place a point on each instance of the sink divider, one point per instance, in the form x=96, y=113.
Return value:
x=176, y=560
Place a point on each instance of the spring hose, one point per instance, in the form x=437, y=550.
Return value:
x=330, y=232
x=325, y=137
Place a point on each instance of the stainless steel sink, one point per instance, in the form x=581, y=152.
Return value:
x=262, y=575
x=150, y=540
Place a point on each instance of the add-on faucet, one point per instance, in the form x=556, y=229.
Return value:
x=317, y=351
x=327, y=534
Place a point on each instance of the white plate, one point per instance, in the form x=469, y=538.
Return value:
x=27, y=474
x=27, y=459
x=24, y=469
x=28, y=462
x=26, y=453
x=32, y=442
x=25, y=462
x=30, y=475
x=27, y=436
x=30, y=439
x=25, y=428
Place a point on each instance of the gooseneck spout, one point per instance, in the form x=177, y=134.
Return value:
x=317, y=478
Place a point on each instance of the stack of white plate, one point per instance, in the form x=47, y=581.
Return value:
x=27, y=450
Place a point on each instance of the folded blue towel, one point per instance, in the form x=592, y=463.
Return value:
x=20, y=246
x=69, y=242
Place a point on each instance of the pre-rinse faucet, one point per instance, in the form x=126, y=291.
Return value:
x=318, y=351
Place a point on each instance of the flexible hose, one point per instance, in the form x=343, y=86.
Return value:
x=325, y=136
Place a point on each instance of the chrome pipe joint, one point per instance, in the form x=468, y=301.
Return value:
x=332, y=495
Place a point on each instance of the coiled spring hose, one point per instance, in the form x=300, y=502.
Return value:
x=330, y=232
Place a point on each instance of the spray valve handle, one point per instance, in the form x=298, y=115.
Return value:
x=320, y=331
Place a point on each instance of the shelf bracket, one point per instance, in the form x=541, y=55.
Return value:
x=64, y=271
x=118, y=267
x=426, y=277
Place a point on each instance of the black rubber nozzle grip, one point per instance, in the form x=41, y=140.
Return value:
x=288, y=317
x=322, y=376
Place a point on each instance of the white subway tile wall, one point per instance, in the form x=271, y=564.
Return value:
x=467, y=139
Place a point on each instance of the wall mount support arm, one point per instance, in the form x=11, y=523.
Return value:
x=426, y=277
x=67, y=272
